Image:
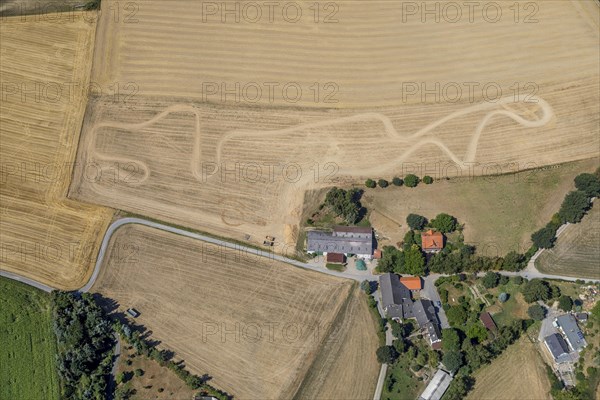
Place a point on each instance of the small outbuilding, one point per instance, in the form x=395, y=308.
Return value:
x=437, y=386
x=412, y=283
x=335, y=258
x=133, y=312
x=487, y=321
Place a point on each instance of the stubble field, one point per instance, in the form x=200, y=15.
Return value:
x=577, y=250
x=256, y=325
x=45, y=72
x=172, y=138
x=519, y=373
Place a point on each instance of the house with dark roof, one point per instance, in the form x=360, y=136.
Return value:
x=344, y=240
x=398, y=304
x=432, y=241
x=557, y=346
x=395, y=297
x=569, y=328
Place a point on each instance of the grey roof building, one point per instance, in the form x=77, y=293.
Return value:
x=395, y=297
x=437, y=387
x=343, y=239
x=568, y=326
x=557, y=347
x=424, y=312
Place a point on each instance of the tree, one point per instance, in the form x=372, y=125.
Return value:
x=370, y=183
x=596, y=311
x=457, y=315
x=490, y=280
x=139, y=372
x=450, y=340
x=366, y=286
x=414, y=262
x=574, y=206
x=588, y=183
x=544, y=238
x=386, y=354
x=399, y=346
x=411, y=180
x=397, y=181
x=416, y=221
x=444, y=223
x=565, y=303
x=427, y=180
x=383, y=183
x=345, y=203
x=537, y=312
x=513, y=261
x=477, y=331
x=459, y=387
x=452, y=360
x=503, y=297
x=535, y=290
x=518, y=280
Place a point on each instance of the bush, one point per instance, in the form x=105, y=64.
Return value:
x=444, y=223
x=574, y=206
x=565, y=303
x=518, y=280
x=383, y=183
x=537, y=312
x=397, y=181
x=503, y=297
x=452, y=360
x=427, y=180
x=416, y=221
x=411, y=180
x=370, y=183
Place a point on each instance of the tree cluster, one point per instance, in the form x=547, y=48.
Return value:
x=345, y=203
x=85, y=341
x=407, y=261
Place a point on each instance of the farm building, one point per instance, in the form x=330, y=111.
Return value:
x=487, y=321
x=582, y=317
x=344, y=239
x=437, y=387
x=335, y=258
x=557, y=346
x=573, y=335
x=395, y=297
x=424, y=312
x=412, y=283
x=431, y=241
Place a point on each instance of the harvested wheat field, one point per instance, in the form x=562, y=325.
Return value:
x=344, y=368
x=236, y=158
x=577, y=249
x=254, y=324
x=499, y=213
x=45, y=73
x=518, y=374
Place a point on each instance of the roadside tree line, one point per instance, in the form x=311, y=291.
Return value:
x=409, y=180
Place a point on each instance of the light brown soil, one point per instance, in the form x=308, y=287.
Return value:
x=254, y=324
x=44, y=235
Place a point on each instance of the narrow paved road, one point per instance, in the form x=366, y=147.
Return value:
x=530, y=272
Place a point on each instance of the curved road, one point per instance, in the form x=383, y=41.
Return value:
x=530, y=272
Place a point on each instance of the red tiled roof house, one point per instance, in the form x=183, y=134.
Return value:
x=431, y=241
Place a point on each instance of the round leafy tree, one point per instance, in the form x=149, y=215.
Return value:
x=370, y=183
x=411, y=180
x=383, y=183
x=416, y=221
x=537, y=312
x=397, y=181
x=427, y=180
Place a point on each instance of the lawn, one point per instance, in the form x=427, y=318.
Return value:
x=499, y=212
x=401, y=383
x=335, y=267
x=515, y=307
x=28, y=343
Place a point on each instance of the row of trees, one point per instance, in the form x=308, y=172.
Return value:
x=574, y=206
x=164, y=359
x=85, y=342
x=443, y=222
x=409, y=180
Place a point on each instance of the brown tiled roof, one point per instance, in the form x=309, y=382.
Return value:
x=488, y=321
x=431, y=240
x=335, y=258
x=412, y=282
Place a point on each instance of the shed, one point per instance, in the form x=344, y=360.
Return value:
x=335, y=258
x=488, y=321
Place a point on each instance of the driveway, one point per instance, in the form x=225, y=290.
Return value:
x=430, y=292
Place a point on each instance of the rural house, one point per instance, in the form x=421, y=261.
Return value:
x=431, y=241
x=344, y=240
x=412, y=283
x=398, y=304
x=557, y=346
x=573, y=335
